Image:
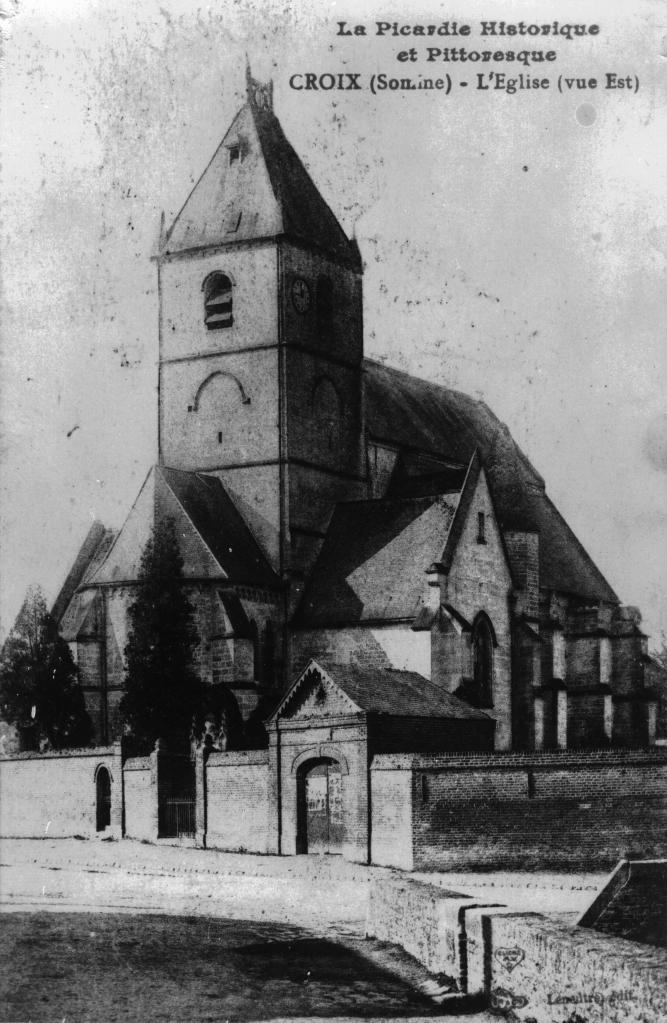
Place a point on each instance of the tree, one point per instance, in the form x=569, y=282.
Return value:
x=39, y=690
x=162, y=691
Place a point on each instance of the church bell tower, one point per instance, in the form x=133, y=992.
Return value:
x=261, y=339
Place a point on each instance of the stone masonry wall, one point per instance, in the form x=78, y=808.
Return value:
x=548, y=972
x=525, y=967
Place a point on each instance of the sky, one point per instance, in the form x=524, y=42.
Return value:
x=514, y=244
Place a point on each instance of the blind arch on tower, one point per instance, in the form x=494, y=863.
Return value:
x=229, y=392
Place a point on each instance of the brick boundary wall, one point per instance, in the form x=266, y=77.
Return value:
x=518, y=811
x=54, y=794
x=235, y=811
x=140, y=799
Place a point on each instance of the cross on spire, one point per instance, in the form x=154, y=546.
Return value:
x=260, y=94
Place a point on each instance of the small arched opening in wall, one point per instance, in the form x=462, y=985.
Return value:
x=102, y=798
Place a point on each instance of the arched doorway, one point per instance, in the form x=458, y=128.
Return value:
x=103, y=789
x=320, y=807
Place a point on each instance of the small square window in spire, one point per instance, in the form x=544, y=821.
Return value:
x=233, y=222
x=234, y=154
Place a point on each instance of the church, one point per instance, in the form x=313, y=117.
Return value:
x=375, y=566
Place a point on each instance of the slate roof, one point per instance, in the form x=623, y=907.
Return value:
x=221, y=527
x=83, y=616
x=372, y=563
x=399, y=693
x=305, y=214
x=91, y=554
x=215, y=519
x=267, y=185
x=390, y=691
x=404, y=411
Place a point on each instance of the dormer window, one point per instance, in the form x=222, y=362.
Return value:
x=218, y=302
x=233, y=222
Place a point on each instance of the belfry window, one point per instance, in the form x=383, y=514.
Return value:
x=218, y=302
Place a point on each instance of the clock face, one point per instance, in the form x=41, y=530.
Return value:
x=300, y=295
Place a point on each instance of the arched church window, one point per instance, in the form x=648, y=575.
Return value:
x=256, y=651
x=324, y=305
x=269, y=655
x=218, y=312
x=483, y=642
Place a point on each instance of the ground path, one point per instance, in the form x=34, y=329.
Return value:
x=258, y=937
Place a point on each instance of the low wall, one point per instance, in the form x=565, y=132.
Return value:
x=545, y=970
x=54, y=794
x=424, y=919
x=526, y=967
x=140, y=799
x=560, y=810
x=237, y=801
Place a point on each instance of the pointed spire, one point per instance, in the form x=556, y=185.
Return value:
x=256, y=187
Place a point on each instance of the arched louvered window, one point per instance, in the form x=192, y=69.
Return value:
x=218, y=313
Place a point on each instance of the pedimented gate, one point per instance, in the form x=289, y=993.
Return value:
x=321, y=807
